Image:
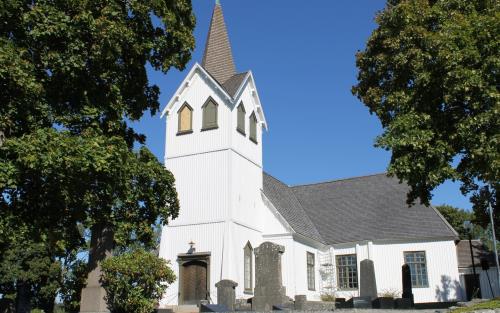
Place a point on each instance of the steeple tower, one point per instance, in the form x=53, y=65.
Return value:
x=218, y=58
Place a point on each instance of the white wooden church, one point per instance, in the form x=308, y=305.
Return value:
x=229, y=205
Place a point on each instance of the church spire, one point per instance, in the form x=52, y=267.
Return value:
x=218, y=58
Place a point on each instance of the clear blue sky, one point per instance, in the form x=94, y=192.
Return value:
x=302, y=55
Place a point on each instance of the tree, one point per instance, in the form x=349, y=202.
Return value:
x=135, y=281
x=430, y=73
x=72, y=75
x=456, y=217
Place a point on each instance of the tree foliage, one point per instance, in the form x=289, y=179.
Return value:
x=72, y=77
x=430, y=73
x=456, y=217
x=135, y=281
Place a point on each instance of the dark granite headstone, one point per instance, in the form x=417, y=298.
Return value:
x=213, y=308
x=361, y=302
x=226, y=294
x=403, y=303
x=367, y=281
x=407, y=292
x=269, y=290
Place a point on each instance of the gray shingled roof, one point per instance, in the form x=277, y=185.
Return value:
x=233, y=83
x=283, y=199
x=356, y=209
x=218, y=57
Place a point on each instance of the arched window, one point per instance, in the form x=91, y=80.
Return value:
x=185, y=115
x=209, y=114
x=248, y=268
x=241, y=119
x=253, y=128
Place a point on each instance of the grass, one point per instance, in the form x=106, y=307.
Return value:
x=491, y=304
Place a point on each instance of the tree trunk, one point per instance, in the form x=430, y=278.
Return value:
x=47, y=305
x=23, y=297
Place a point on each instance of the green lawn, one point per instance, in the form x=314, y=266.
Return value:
x=491, y=304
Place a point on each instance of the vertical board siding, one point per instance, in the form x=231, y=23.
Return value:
x=241, y=143
x=202, y=187
x=198, y=141
x=441, y=261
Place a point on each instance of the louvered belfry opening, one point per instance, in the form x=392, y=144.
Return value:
x=218, y=57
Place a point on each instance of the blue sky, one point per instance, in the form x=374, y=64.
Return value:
x=302, y=55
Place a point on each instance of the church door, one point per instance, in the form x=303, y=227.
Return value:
x=194, y=282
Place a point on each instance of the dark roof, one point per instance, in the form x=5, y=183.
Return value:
x=233, y=83
x=356, y=209
x=283, y=199
x=480, y=252
x=218, y=57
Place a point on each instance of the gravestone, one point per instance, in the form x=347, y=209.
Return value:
x=93, y=295
x=367, y=281
x=406, y=301
x=269, y=290
x=226, y=294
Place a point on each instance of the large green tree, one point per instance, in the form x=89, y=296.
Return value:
x=72, y=76
x=456, y=217
x=430, y=72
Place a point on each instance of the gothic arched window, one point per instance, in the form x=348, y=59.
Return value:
x=209, y=114
x=253, y=127
x=248, y=268
x=241, y=118
x=185, y=115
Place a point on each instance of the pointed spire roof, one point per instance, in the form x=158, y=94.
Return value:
x=218, y=58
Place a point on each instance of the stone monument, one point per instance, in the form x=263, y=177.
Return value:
x=269, y=290
x=93, y=295
x=406, y=301
x=367, y=281
x=226, y=294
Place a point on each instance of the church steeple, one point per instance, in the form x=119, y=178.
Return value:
x=218, y=58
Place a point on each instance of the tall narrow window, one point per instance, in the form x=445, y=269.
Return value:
x=241, y=119
x=209, y=114
x=310, y=271
x=418, y=268
x=248, y=269
x=347, y=272
x=185, y=115
x=253, y=128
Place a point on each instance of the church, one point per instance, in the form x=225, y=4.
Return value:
x=229, y=205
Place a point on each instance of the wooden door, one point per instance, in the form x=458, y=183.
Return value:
x=194, y=282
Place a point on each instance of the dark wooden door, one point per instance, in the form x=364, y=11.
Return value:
x=472, y=286
x=194, y=282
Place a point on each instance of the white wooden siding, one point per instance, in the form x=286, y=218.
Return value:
x=441, y=260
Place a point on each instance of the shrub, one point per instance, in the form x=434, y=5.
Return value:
x=328, y=297
x=389, y=293
x=135, y=281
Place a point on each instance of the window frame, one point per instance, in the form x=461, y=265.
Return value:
x=346, y=274
x=413, y=271
x=204, y=124
x=248, y=253
x=311, y=271
x=238, y=128
x=253, y=122
x=190, y=130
